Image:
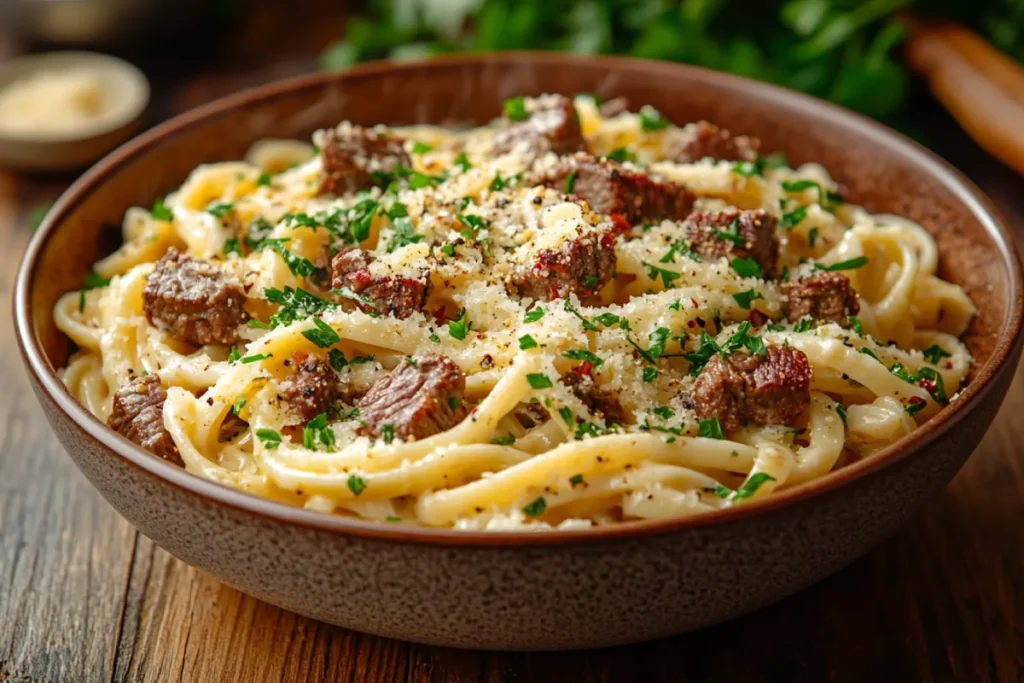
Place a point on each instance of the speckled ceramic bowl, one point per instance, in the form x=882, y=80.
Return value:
x=566, y=589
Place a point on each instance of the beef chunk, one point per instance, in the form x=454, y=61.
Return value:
x=610, y=188
x=311, y=388
x=701, y=140
x=421, y=397
x=552, y=126
x=138, y=415
x=756, y=228
x=824, y=296
x=601, y=401
x=194, y=301
x=396, y=296
x=743, y=388
x=579, y=266
x=352, y=156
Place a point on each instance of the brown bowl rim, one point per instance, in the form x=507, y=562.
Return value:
x=961, y=187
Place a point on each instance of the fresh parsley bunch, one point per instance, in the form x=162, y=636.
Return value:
x=841, y=50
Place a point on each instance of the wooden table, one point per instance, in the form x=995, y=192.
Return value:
x=85, y=597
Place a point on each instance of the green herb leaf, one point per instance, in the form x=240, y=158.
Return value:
x=576, y=480
x=751, y=485
x=404, y=234
x=536, y=508
x=356, y=484
x=515, y=109
x=420, y=147
x=269, y=438
x=527, y=342
x=462, y=162
x=791, y=219
x=263, y=180
x=620, y=154
x=238, y=404
x=649, y=374
x=711, y=429
x=337, y=359
x=534, y=314
x=743, y=299
x=851, y=264
x=459, y=327
x=583, y=355
x=841, y=412
x=232, y=246
x=667, y=276
x=570, y=180
x=934, y=353
x=161, y=212
x=566, y=414
x=256, y=357
x=855, y=326
x=219, y=209
x=539, y=380
x=746, y=267
x=323, y=336
x=506, y=440
x=651, y=119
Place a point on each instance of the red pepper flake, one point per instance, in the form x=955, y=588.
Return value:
x=928, y=385
x=585, y=368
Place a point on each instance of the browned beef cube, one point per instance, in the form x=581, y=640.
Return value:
x=193, y=300
x=138, y=415
x=396, y=296
x=754, y=229
x=600, y=401
x=579, y=266
x=552, y=126
x=743, y=388
x=703, y=140
x=356, y=158
x=312, y=386
x=611, y=189
x=823, y=296
x=421, y=397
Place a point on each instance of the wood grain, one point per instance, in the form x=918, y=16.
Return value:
x=83, y=597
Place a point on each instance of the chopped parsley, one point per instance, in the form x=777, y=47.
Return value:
x=711, y=429
x=298, y=265
x=497, y=184
x=539, y=380
x=337, y=359
x=746, y=267
x=534, y=314
x=263, y=180
x=851, y=264
x=855, y=325
x=506, y=440
x=650, y=374
x=841, y=412
x=743, y=299
x=233, y=355
x=387, y=432
x=317, y=430
x=812, y=237
x=294, y=304
x=459, y=327
x=620, y=154
x=404, y=233
x=515, y=109
x=927, y=378
x=323, y=336
x=570, y=180
x=219, y=209
x=434, y=338
x=664, y=412
x=587, y=325
x=803, y=325
x=576, y=480
x=160, y=211
x=269, y=438
x=733, y=233
x=566, y=414
x=238, y=404
x=651, y=119
x=934, y=353
x=256, y=357
x=916, y=405
x=751, y=485
x=356, y=484
x=527, y=342
x=232, y=246
x=792, y=218
x=536, y=508
x=667, y=276
x=583, y=355
x=708, y=347
x=420, y=147
x=462, y=162
x=474, y=224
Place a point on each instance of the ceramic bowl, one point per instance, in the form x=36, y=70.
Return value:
x=563, y=589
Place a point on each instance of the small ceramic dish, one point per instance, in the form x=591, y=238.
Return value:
x=529, y=590
x=123, y=88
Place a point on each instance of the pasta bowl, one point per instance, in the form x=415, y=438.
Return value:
x=527, y=590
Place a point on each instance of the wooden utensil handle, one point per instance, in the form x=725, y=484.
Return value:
x=979, y=85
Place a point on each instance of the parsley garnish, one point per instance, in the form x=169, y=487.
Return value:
x=237, y=406
x=269, y=438
x=263, y=180
x=233, y=355
x=337, y=359
x=916, y=406
x=587, y=325
x=812, y=237
x=751, y=485
x=570, y=180
x=803, y=325
x=515, y=109
x=667, y=276
x=527, y=342
x=298, y=265
x=462, y=162
x=536, y=508
x=733, y=233
x=534, y=314
x=851, y=264
x=576, y=480
x=506, y=440
x=746, y=267
x=620, y=154
x=934, y=353
x=743, y=299
x=841, y=412
x=539, y=380
x=294, y=304
x=651, y=118
x=404, y=234
x=161, y=212
x=356, y=484
x=566, y=414
x=232, y=246
x=711, y=429
x=256, y=357
x=650, y=374
x=791, y=219
x=664, y=412
x=387, y=432
x=583, y=355
x=317, y=430
x=219, y=209
x=420, y=147
x=459, y=327
x=434, y=338
x=497, y=184
x=323, y=336
x=855, y=325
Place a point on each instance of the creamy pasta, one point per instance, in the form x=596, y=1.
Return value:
x=589, y=366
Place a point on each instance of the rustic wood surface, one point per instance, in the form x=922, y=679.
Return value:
x=84, y=597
